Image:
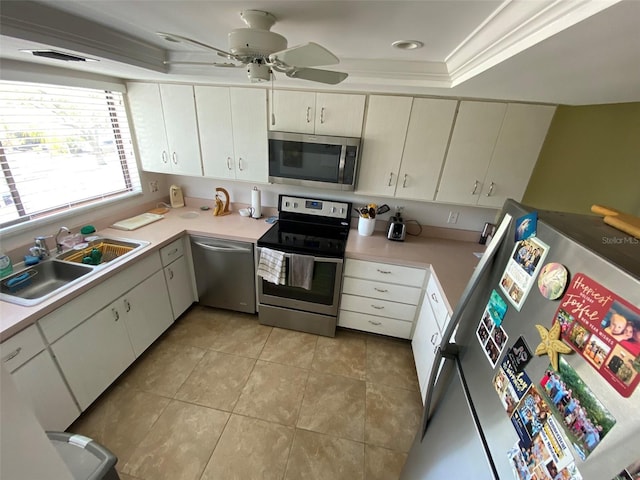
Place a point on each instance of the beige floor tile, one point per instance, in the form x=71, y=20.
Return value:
x=392, y=417
x=345, y=354
x=250, y=449
x=335, y=405
x=163, y=368
x=382, y=464
x=179, y=445
x=217, y=381
x=273, y=392
x=391, y=363
x=124, y=476
x=323, y=457
x=199, y=327
x=242, y=335
x=290, y=348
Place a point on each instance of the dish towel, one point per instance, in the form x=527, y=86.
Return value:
x=271, y=266
x=301, y=271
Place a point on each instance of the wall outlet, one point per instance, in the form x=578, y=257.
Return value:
x=453, y=217
x=153, y=186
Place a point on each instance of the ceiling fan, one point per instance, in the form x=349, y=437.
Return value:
x=263, y=52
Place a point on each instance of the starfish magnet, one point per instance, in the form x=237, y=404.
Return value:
x=551, y=344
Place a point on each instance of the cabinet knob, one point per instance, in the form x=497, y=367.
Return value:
x=490, y=189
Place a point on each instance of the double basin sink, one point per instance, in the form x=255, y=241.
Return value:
x=36, y=283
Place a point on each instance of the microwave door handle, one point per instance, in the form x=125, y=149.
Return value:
x=343, y=156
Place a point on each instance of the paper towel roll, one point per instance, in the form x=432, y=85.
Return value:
x=255, y=203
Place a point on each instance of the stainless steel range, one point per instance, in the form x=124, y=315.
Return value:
x=316, y=228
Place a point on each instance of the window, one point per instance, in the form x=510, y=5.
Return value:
x=62, y=148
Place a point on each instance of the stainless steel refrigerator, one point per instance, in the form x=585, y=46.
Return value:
x=467, y=433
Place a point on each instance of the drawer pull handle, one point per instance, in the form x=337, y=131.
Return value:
x=404, y=182
x=390, y=179
x=175, y=158
x=434, y=338
x=170, y=274
x=165, y=158
x=127, y=306
x=434, y=298
x=475, y=187
x=375, y=323
x=228, y=163
x=12, y=355
x=116, y=315
x=384, y=271
x=381, y=290
x=322, y=115
x=172, y=252
x=240, y=164
x=377, y=307
x=308, y=115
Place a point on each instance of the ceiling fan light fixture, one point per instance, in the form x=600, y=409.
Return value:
x=407, y=44
x=258, y=72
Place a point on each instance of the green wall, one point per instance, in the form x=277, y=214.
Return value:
x=591, y=155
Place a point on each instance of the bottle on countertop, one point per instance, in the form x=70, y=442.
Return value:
x=6, y=267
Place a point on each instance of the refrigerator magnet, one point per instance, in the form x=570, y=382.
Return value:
x=551, y=344
x=526, y=226
x=552, y=280
x=522, y=268
x=519, y=355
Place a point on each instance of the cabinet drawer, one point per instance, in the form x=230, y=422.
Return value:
x=438, y=302
x=374, y=306
x=385, y=272
x=20, y=348
x=172, y=251
x=382, y=291
x=65, y=318
x=373, y=324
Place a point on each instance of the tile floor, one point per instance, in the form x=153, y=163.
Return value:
x=220, y=396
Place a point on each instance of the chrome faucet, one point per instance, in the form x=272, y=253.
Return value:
x=40, y=249
x=58, y=244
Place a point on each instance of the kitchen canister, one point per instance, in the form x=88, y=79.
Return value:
x=366, y=226
x=255, y=203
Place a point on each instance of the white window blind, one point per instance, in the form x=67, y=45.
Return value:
x=61, y=148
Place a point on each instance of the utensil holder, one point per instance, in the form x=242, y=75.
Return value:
x=366, y=226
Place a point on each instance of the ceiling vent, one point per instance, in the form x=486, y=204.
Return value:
x=55, y=55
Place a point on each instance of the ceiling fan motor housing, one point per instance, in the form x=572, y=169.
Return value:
x=253, y=42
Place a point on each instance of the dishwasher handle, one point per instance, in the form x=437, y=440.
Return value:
x=226, y=248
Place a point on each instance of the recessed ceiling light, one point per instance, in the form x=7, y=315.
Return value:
x=407, y=44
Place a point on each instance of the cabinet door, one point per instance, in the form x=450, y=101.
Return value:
x=181, y=126
x=148, y=122
x=385, y=131
x=40, y=381
x=339, y=114
x=425, y=341
x=292, y=111
x=249, y=120
x=216, y=133
x=424, y=149
x=516, y=153
x=179, y=283
x=147, y=312
x=94, y=354
x=472, y=143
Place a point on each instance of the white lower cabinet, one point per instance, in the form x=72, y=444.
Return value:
x=178, y=276
x=38, y=379
x=432, y=320
x=380, y=298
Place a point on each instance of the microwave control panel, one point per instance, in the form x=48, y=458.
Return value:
x=314, y=206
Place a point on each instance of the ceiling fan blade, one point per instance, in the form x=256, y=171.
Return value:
x=316, y=75
x=172, y=37
x=307, y=55
x=208, y=64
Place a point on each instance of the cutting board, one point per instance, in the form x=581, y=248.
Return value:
x=622, y=221
x=137, y=221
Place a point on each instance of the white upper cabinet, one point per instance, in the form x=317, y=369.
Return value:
x=232, y=123
x=166, y=129
x=334, y=114
x=494, y=147
x=523, y=132
x=383, y=140
x=425, y=147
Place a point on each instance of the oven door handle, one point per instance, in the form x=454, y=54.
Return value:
x=315, y=259
x=227, y=249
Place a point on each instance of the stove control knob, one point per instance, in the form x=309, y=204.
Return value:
x=333, y=210
x=295, y=204
x=286, y=204
x=342, y=210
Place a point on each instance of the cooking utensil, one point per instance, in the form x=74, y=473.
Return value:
x=372, y=212
x=383, y=209
x=364, y=212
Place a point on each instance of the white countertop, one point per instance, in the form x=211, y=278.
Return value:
x=452, y=260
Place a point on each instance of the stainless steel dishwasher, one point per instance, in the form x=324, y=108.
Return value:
x=224, y=272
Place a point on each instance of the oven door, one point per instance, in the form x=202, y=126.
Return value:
x=323, y=296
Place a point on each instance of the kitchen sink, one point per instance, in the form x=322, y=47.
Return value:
x=109, y=249
x=39, y=282
x=35, y=284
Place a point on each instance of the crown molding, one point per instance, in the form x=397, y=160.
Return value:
x=514, y=27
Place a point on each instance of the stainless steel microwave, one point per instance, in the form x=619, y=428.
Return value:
x=313, y=160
